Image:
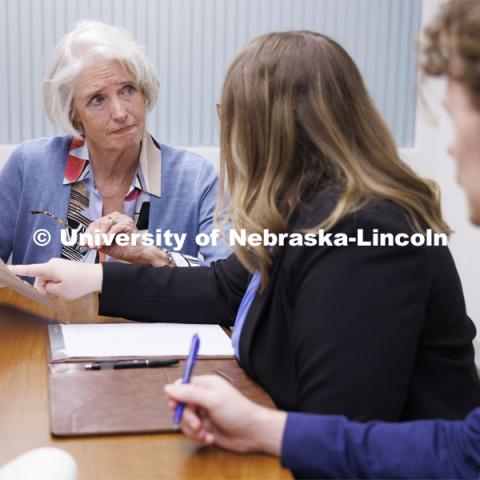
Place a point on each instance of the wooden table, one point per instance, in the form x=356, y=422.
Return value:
x=24, y=422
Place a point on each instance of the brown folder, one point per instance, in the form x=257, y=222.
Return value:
x=86, y=402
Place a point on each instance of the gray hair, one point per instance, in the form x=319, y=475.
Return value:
x=91, y=40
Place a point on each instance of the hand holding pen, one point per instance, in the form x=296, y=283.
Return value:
x=187, y=374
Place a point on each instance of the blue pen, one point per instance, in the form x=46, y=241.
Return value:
x=187, y=373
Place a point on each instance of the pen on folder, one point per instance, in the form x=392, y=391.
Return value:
x=187, y=374
x=120, y=364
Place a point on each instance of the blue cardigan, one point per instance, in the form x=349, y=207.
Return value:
x=319, y=446
x=32, y=179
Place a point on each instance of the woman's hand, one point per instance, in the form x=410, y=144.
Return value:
x=63, y=278
x=217, y=413
x=113, y=224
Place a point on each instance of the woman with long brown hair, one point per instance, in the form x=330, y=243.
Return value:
x=337, y=327
x=331, y=446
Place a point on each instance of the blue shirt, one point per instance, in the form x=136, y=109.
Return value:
x=243, y=310
x=322, y=446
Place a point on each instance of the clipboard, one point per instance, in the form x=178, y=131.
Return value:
x=121, y=401
x=106, y=402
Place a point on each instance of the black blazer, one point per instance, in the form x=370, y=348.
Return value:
x=367, y=332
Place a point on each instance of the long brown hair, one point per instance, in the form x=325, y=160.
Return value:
x=296, y=117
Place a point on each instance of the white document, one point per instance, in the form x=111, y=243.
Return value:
x=137, y=340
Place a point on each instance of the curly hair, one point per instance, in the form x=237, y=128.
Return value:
x=451, y=45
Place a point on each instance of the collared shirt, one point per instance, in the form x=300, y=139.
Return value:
x=86, y=204
x=243, y=310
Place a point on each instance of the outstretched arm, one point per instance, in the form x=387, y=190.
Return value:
x=140, y=292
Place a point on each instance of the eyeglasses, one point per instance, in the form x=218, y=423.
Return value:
x=50, y=214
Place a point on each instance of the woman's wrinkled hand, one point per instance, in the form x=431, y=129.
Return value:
x=117, y=227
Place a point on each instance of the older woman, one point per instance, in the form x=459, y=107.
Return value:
x=367, y=332
x=108, y=174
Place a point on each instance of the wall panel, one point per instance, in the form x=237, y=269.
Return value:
x=192, y=42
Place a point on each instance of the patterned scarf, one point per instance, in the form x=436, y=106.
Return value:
x=80, y=208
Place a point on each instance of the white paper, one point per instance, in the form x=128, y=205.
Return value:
x=143, y=340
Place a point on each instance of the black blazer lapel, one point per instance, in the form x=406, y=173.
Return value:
x=254, y=316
